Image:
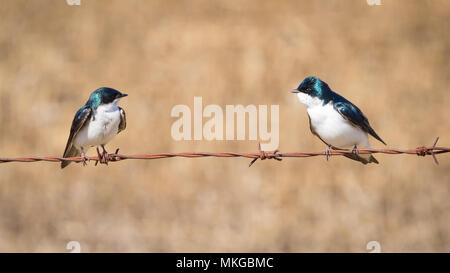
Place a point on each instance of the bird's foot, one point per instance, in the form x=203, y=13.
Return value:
x=327, y=152
x=105, y=155
x=84, y=158
x=355, y=150
x=100, y=157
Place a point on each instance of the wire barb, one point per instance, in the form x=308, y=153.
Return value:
x=262, y=155
x=265, y=155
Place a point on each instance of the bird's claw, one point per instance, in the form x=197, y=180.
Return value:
x=99, y=157
x=327, y=152
x=102, y=157
x=105, y=157
x=84, y=158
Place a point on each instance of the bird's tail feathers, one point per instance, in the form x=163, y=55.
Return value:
x=72, y=152
x=372, y=132
x=363, y=158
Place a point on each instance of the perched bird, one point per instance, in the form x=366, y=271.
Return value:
x=96, y=123
x=335, y=120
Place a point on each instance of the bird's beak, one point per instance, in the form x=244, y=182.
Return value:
x=123, y=95
x=295, y=91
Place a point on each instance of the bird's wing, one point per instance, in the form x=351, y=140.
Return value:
x=352, y=113
x=123, y=120
x=78, y=122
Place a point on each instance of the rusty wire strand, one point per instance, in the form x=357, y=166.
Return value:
x=262, y=155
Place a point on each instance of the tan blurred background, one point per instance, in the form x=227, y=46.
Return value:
x=391, y=60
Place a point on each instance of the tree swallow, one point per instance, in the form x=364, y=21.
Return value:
x=335, y=120
x=96, y=123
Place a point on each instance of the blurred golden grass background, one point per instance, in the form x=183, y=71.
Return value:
x=391, y=60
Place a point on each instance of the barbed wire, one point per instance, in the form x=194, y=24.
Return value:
x=262, y=155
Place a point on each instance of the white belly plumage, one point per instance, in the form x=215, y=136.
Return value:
x=334, y=129
x=331, y=127
x=100, y=129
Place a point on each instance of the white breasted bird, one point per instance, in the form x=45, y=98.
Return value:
x=96, y=123
x=335, y=120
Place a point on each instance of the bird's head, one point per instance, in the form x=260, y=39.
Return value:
x=311, y=86
x=105, y=95
x=312, y=91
